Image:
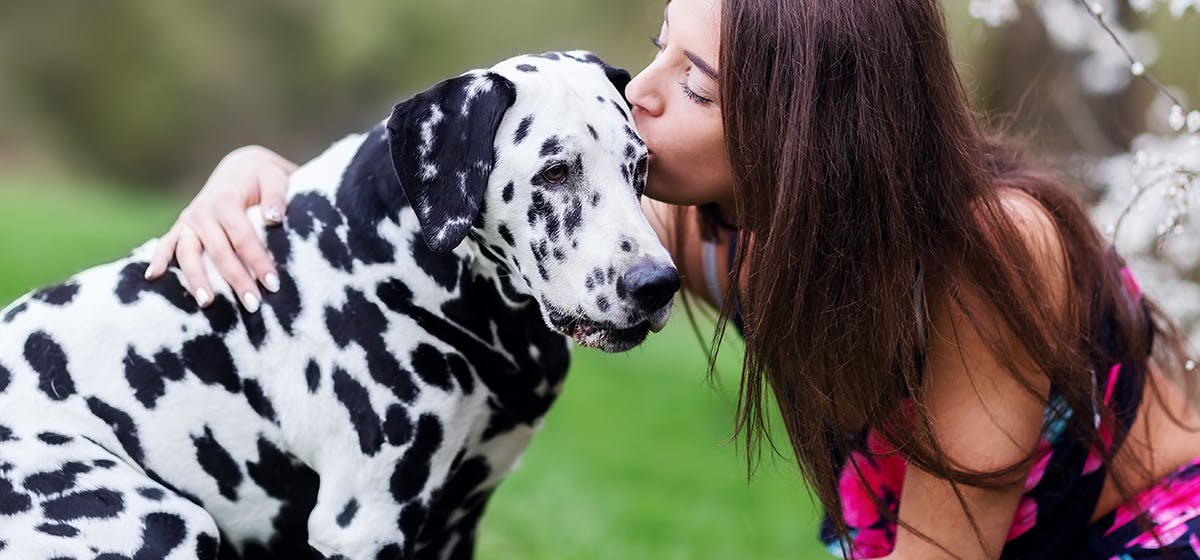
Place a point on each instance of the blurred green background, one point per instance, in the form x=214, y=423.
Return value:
x=113, y=113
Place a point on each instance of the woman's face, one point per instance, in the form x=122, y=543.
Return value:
x=677, y=111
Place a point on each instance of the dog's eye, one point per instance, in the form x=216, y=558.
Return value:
x=556, y=174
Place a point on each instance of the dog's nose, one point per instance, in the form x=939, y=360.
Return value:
x=651, y=284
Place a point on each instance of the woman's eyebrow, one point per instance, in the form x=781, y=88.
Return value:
x=703, y=66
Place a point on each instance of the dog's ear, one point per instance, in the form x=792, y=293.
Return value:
x=443, y=149
x=619, y=78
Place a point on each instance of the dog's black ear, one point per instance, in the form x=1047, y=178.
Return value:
x=619, y=78
x=443, y=149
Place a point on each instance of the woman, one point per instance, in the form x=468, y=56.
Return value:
x=963, y=367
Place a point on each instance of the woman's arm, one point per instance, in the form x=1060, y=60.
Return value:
x=981, y=415
x=215, y=221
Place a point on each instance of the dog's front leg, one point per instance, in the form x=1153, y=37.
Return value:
x=375, y=507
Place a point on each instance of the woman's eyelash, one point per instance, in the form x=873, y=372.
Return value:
x=656, y=42
x=693, y=95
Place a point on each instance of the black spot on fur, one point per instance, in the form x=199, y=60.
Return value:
x=527, y=68
x=357, y=401
x=431, y=366
x=47, y=358
x=412, y=472
x=52, y=438
x=347, y=515
x=507, y=193
x=12, y=502
x=132, y=284
x=595, y=199
x=522, y=129
x=257, y=399
x=221, y=314
x=218, y=463
x=5, y=378
x=144, y=377
x=279, y=245
x=209, y=358
x=61, y=294
x=507, y=235
x=362, y=322
x=58, y=529
x=602, y=304
x=161, y=533
x=592, y=131
x=152, y=494
x=312, y=214
x=620, y=109
x=56, y=481
x=574, y=216
x=206, y=547
x=285, y=304
x=312, y=375
x=101, y=503
x=397, y=426
x=550, y=147
x=548, y=56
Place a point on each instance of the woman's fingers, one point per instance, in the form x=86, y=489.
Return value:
x=188, y=251
x=248, y=248
x=228, y=265
x=163, y=253
x=272, y=187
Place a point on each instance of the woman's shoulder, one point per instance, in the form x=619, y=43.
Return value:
x=1038, y=230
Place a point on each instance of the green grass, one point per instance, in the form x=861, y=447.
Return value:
x=630, y=463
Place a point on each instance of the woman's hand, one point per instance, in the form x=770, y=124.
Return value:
x=216, y=221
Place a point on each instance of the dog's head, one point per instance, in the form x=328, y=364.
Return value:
x=537, y=161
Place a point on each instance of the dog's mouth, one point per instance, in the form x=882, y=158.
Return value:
x=606, y=336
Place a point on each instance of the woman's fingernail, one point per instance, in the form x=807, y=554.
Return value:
x=250, y=301
x=202, y=297
x=272, y=282
x=149, y=271
x=272, y=214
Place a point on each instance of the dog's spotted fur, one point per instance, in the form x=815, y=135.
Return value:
x=371, y=406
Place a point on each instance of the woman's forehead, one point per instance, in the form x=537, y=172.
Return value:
x=696, y=24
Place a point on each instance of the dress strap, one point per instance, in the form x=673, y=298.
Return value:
x=708, y=254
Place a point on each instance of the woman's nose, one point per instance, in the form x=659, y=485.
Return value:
x=641, y=93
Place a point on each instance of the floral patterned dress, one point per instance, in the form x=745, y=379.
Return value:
x=1061, y=490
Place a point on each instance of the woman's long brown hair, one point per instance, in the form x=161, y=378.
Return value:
x=856, y=156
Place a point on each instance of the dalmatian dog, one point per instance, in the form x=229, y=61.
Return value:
x=434, y=270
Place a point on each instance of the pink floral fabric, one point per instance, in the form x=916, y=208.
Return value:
x=1061, y=489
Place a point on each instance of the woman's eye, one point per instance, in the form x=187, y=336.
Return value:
x=687, y=90
x=556, y=174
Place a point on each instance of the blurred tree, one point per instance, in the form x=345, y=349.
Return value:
x=153, y=92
